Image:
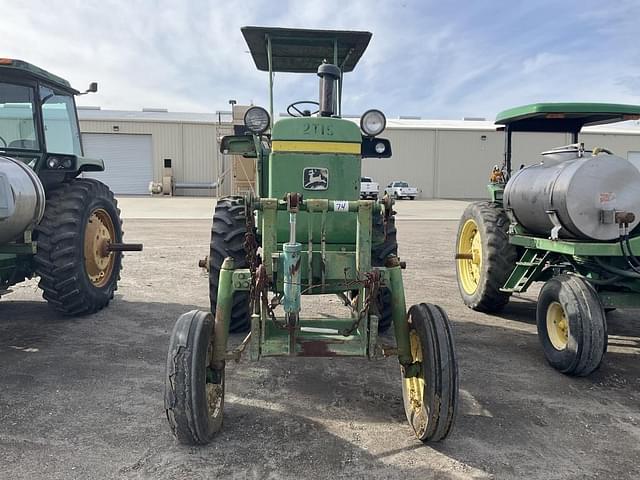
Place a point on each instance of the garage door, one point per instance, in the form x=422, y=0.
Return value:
x=634, y=157
x=127, y=161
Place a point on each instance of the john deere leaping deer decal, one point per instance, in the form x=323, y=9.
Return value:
x=315, y=178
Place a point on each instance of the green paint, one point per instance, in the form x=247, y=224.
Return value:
x=223, y=311
x=619, y=299
x=496, y=192
x=331, y=251
x=605, y=111
x=303, y=50
x=316, y=337
x=399, y=315
x=28, y=70
x=86, y=164
x=286, y=174
x=527, y=271
x=576, y=248
x=317, y=129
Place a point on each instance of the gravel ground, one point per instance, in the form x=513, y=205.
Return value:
x=82, y=398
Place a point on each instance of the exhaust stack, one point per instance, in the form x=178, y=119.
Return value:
x=329, y=74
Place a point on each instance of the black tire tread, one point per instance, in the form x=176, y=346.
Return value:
x=186, y=415
x=227, y=240
x=379, y=254
x=589, y=331
x=60, y=232
x=437, y=342
x=499, y=256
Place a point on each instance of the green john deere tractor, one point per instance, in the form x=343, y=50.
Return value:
x=570, y=221
x=307, y=233
x=53, y=224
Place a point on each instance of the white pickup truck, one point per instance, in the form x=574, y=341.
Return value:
x=399, y=189
x=368, y=188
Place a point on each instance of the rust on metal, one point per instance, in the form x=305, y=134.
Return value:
x=315, y=348
x=123, y=247
x=293, y=202
x=295, y=267
x=392, y=261
x=464, y=256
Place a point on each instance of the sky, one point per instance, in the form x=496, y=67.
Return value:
x=435, y=59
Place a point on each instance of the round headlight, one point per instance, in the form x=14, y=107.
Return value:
x=380, y=148
x=373, y=122
x=257, y=120
x=53, y=162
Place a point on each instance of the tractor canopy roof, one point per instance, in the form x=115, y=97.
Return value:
x=564, y=117
x=298, y=50
x=31, y=71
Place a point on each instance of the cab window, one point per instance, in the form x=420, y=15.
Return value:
x=60, y=123
x=17, y=121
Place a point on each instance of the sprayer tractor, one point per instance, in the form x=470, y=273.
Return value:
x=570, y=221
x=306, y=232
x=53, y=223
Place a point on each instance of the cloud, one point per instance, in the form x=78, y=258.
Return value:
x=428, y=58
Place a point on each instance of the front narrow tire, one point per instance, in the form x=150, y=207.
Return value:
x=194, y=391
x=572, y=325
x=431, y=398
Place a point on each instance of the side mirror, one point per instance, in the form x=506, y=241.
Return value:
x=93, y=88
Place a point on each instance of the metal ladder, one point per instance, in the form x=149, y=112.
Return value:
x=527, y=268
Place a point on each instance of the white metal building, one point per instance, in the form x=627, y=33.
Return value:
x=443, y=158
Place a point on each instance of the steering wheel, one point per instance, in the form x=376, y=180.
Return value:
x=4, y=141
x=294, y=111
x=599, y=150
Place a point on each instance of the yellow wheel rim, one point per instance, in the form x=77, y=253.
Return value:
x=470, y=245
x=557, y=326
x=98, y=261
x=414, y=386
x=214, y=391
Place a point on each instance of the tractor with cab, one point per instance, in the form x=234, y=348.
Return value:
x=54, y=224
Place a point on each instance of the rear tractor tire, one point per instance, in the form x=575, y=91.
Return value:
x=572, y=325
x=431, y=397
x=193, y=389
x=227, y=240
x=483, y=236
x=77, y=275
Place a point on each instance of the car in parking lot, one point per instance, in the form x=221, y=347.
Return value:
x=400, y=189
x=368, y=188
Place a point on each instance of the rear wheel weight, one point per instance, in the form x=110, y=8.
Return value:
x=431, y=398
x=483, y=235
x=194, y=392
x=572, y=325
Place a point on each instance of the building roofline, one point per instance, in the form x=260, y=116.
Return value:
x=224, y=117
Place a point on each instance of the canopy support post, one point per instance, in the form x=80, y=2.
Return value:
x=270, y=59
x=507, y=150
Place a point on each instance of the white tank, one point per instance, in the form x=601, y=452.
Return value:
x=22, y=199
x=576, y=191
